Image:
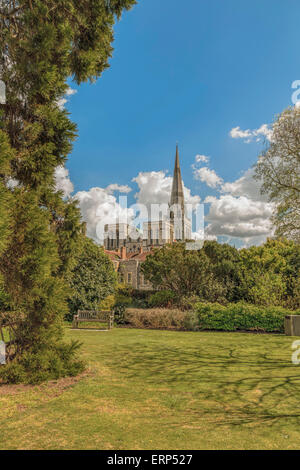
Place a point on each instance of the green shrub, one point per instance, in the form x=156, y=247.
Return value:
x=163, y=298
x=40, y=366
x=241, y=316
x=12, y=373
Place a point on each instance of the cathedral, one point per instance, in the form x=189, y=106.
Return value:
x=128, y=249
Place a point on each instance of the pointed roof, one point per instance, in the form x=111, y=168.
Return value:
x=177, y=196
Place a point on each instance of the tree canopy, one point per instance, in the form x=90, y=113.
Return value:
x=263, y=275
x=279, y=169
x=92, y=280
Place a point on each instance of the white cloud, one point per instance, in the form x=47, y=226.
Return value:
x=264, y=131
x=201, y=159
x=208, y=176
x=70, y=92
x=229, y=209
x=124, y=189
x=61, y=103
x=240, y=212
x=237, y=133
x=155, y=188
x=210, y=199
x=97, y=205
x=249, y=135
x=63, y=182
x=246, y=185
x=240, y=217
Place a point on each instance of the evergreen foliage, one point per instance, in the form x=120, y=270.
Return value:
x=5, y=202
x=43, y=43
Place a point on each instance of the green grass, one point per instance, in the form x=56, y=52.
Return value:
x=163, y=390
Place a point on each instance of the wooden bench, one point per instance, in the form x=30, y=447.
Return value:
x=84, y=316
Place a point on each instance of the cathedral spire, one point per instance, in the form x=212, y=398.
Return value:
x=177, y=196
x=177, y=209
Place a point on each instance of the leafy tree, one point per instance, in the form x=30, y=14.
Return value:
x=186, y=273
x=92, y=280
x=279, y=169
x=270, y=273
x=43, y=43
x=264, y=275
x=225, y=265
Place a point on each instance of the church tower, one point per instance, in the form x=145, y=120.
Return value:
x=177, y=196
x=182, y=226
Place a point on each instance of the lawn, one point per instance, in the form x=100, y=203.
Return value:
x=163, y=390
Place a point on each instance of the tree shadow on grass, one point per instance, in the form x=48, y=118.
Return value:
x=240, y=387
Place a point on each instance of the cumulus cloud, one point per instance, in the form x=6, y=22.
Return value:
x=237, y=133
x=124, y=189
x=62, y=102
x=155, y=188
x=240, y=217
x=201, y=159
x=207, y=176
x=246, y=185
x=98, y=207
x=249, y=135
x=240, y=212
x=209, y=199
x=63, y=182
x=229, y=209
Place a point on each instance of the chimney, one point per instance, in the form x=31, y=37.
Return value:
x=123, y=252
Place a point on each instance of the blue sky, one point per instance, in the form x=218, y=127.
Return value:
x=188, y=72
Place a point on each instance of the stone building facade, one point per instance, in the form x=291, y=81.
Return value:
x=128, y=249
x=128, y=267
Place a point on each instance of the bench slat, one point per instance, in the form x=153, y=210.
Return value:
x=94, y=316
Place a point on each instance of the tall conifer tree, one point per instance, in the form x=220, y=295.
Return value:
x=5, y=203
x=44, y=43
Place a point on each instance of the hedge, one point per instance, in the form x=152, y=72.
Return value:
x=160, y=319
x=241, y=316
